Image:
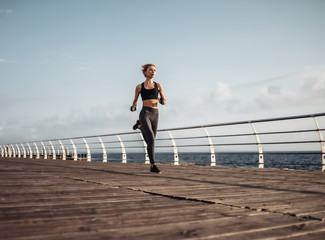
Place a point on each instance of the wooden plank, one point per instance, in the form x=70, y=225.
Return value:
x=55, y=199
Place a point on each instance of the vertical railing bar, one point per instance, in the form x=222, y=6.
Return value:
x=53, y=151
x=176, y=159
x=212, y=153
x=322, y=143
x=2, y=152
x=64, y=157
x=88, y=150
x=75, y=152
x=12, y=151
x=37, y=150
x=44, y=151
x=147, y=161
x=122, y=149
x=30, y=151
x=9, y=151
x=18, y=151
x=24, y=150
x=259, y=147
x=58, y=150
x=104, y=150
x=6, y=150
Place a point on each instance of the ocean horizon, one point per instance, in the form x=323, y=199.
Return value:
x=311, y=161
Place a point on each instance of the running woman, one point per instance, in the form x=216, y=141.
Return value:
x=149, y=114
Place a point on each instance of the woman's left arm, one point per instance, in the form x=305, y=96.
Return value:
x=162, y=95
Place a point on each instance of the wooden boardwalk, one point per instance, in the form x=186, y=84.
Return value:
x=56, y=199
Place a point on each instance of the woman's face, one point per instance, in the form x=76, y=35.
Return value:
x=151, y=72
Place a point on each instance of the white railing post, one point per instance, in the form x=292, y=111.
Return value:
x=104, y=150
x=212, y=153
x=30, y=151
x=18, y=151
x=3, y=147
x=2, y=152
x=64, y=157
x=75, y=153
x=37, y=150
x=12, y=150
x=147, y=161
x=259, y=147
x=6, y=150
x=53, y=151
x=9, y=151
x=44, y=150
x=176, y=160
x=88, y=150
x=123, y=149
x=67, y=151
x=322, y=143
x=24, y=150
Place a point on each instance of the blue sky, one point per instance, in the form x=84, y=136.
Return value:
x=69, y=68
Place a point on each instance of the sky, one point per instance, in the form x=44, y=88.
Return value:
x=69, y=68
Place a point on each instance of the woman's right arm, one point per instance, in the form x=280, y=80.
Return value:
x=136, y=96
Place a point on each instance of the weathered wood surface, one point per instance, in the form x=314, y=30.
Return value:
x=56, y=199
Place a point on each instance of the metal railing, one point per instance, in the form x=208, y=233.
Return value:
x=280, y=142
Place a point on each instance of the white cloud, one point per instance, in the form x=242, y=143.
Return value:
x=6, y=11
x=308, y=72
x=268, y=98
x=199, y=106
x=99, y=119
x=221, y=93
x=2, y=60
x=310, y=92
x=315, y=88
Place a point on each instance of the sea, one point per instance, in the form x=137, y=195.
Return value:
x=311, y=161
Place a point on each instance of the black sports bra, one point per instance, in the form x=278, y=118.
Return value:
x=149, y=93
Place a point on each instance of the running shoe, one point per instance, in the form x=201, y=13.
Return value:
x=136, y=125
x=154, y=169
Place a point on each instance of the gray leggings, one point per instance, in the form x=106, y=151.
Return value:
x=149, y=122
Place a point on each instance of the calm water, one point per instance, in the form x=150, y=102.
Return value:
x=307, y=161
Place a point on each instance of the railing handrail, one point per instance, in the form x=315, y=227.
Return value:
x=37, y=147
x=246, y=122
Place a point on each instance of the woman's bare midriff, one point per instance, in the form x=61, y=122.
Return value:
x=152, y=103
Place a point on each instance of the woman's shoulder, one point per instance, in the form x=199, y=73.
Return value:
x=158, y=85
x=138, y=88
